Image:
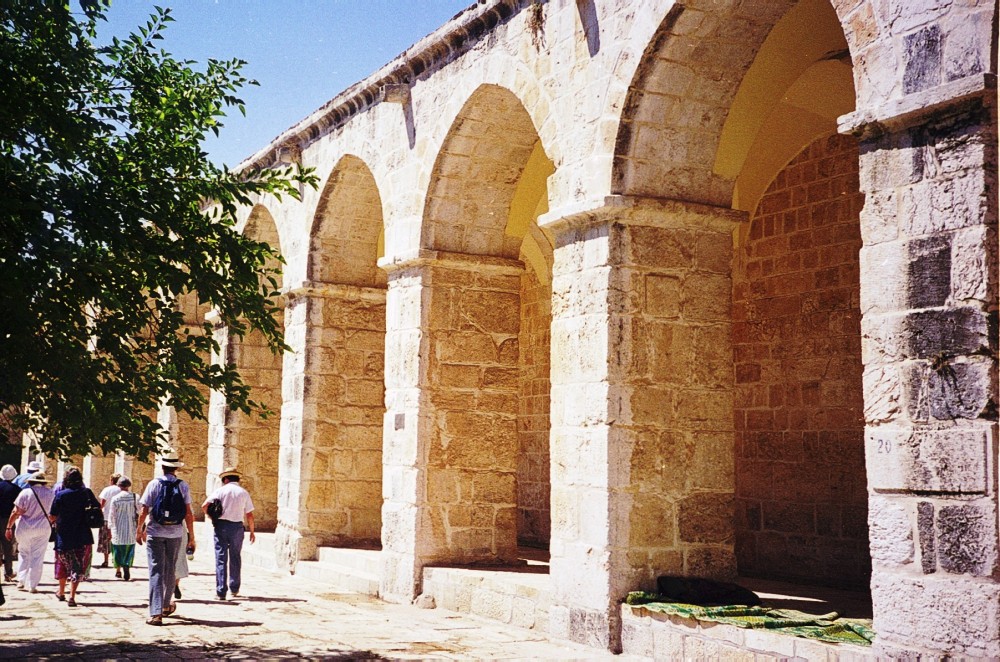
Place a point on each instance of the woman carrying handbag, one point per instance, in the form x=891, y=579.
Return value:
x=71, y=513
x=30, y=512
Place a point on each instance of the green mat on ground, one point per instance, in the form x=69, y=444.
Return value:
x=824, y=627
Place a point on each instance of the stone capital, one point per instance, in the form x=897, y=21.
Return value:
x=642, y=210
x=425, y=257
x=916, y=108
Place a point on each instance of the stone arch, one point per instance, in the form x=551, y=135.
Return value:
x=468, y=281
x=347, y=235
x=727, y=110
x=677, y=104
x=475, y=175
x=250, y=442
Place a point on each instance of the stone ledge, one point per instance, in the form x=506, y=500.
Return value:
x=665, y=637
x=335, y=291
x=642, y=210
x=426, y=257
x=913, y=108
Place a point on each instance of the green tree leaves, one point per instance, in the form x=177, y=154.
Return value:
x=111, y=217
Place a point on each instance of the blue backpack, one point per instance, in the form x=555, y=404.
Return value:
x=169, y=507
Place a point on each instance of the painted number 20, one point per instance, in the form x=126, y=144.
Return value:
x=884, y=446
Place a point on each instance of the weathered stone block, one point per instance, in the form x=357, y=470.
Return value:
x=706, y=517
x=890, y=531
x=926, y=533
x=967, y=539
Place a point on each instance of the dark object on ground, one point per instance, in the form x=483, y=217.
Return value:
x=705, y=592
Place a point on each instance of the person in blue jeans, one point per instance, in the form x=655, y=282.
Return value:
x=236, y=505
x=163, y=541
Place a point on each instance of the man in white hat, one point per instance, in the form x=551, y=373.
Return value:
x=31, y=515
x=22, y=479
x=236, y=504
x=166, y=504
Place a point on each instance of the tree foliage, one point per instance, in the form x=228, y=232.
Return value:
x=111, y=215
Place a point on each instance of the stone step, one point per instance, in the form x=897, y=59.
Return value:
x=338, y=577
x=521, y=599
x=364, y=560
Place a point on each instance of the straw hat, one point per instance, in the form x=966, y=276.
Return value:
x=230, y=472
x=169, y=458
x=38, y=478
x=33, y=466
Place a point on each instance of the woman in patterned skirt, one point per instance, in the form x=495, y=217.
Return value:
x=124, y=512
x=74, y=540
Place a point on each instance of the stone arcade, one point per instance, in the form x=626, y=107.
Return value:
x=705, y=288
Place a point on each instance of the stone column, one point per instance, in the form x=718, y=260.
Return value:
x=929, y=342
x=642, y=406
x=450, y=444
x=218, y=416
x=330, y=474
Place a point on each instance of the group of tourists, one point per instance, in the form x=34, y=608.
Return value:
x=161, y=519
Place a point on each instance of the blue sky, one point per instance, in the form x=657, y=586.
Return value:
x=302, y=52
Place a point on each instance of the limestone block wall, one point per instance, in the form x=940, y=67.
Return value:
x=473, y=396
x=450, y=433
x=97, y=470
x=188, y=436
x=248, y=442
x=801, y=487
x=140, y=472
x=533, y=515
x=331, y=470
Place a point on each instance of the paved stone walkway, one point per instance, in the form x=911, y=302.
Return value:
x=276, y=616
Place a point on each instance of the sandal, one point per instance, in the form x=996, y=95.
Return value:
x=71, y=602
x=60, y=597
x=170, y=609
x=154, y=620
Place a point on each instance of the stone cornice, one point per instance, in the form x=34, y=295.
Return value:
x=450, y=41
x=450, y=260
x=913, y=109
x=642, y=210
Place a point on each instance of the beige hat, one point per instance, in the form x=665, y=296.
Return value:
x=169, y=458
x=38, y=478
x=230, y=471
x=33, y=466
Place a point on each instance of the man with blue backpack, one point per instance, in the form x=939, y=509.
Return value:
x=165, y=512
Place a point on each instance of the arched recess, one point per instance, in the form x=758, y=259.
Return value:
x=341, y=316
x=735, y=109
x=250, y=442
x=485, y=386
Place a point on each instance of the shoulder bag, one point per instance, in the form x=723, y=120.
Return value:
x=92, y=512
x=52, y=534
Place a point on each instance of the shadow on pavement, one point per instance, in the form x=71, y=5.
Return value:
x=258, y=598
x=212, y=623
x=71, y=647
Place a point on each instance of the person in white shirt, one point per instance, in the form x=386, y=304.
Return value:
x=104, y=536
x=31, y=514
x=236, y=504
